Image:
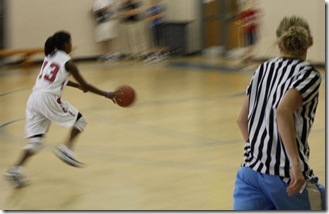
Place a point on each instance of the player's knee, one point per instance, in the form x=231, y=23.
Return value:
x=81, y=123
x=34, y=144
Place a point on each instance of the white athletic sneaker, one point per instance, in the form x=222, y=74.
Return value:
x=15, y=175
x=66, y=155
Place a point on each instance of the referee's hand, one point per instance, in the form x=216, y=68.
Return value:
x=297, y=183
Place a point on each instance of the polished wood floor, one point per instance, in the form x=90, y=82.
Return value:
x=177, y=148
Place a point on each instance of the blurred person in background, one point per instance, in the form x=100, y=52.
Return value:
x=249, y=19
x=155, y=16
x=133, y=38
x=106, y=31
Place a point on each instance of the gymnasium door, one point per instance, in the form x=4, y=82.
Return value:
x=219, y=24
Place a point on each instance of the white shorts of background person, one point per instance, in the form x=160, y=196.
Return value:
x=106, y=30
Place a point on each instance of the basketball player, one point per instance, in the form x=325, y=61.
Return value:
x=106, y=30
x=132, y=29
x=275, y=122
x=156, y=14
x=45, y=105
x=250, y=21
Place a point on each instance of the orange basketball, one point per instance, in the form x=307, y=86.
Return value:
x=127, y=96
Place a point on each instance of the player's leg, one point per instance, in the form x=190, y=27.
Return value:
x=31, y=148
x=15, y=173
x=36, y=125
x=65, y=114
x=64, y=151
x=79, y=126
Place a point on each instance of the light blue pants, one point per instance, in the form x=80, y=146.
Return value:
x=257, y=191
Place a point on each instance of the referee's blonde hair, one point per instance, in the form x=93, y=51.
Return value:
x=294, y=36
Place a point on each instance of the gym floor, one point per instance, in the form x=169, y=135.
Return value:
x=177, y=148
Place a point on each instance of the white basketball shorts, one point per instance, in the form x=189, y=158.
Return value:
x=43, y=108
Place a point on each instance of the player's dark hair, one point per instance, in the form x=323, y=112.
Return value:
x=56, y=42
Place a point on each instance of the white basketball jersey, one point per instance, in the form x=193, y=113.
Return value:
x=53, y=76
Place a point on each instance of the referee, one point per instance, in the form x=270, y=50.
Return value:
x=275, y=121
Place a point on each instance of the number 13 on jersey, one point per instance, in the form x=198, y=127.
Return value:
x=49, y=72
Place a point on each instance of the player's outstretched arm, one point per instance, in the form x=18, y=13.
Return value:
x=74, y=85
x=83, y=85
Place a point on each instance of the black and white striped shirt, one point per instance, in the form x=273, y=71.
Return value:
x=264, y=152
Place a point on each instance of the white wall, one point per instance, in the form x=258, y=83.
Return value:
x=312, y=10
x=181, y=10
x=31, y=22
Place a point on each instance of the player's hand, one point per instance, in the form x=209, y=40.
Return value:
x=113, y=95
x=297, y=182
